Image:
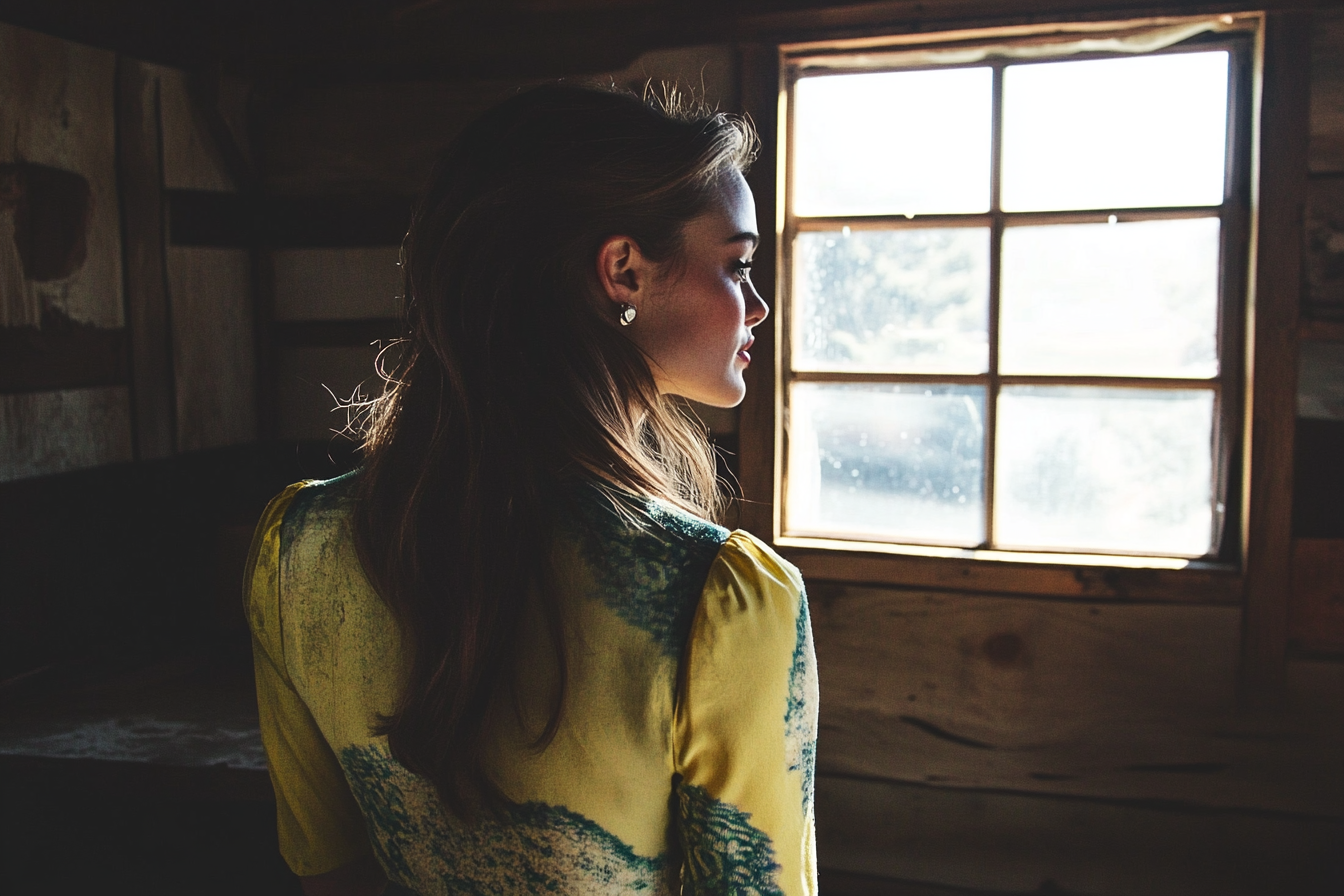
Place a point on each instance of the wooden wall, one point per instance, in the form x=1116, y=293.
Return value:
x=57, y=110
x=144, y=349
x=357, y=155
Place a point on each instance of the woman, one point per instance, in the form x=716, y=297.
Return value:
x=510, y=654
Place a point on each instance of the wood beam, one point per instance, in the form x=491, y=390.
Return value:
x=140, y=186
x=1278, y=206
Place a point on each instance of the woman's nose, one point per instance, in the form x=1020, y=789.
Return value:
x=757, y=310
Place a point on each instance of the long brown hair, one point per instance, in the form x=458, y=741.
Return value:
x=513, y=381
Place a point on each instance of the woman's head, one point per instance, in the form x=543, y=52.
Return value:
x=543, y=218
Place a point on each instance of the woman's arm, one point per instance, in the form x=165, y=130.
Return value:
x=746, y=724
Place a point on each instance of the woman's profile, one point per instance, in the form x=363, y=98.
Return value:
x=511, y=653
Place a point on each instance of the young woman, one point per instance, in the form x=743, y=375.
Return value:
x=511, y=654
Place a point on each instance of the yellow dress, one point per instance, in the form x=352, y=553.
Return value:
x=684, y=759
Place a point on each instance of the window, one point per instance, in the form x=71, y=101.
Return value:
x=1011, y=276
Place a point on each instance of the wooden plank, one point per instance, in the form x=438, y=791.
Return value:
x=61, y=354
x=995, y=842
x=1100, y=579
x=759, y=65
x=1316, y=615
x=56, y=110
x=1273, y=335
x=1103, y=700
x=338, y=284
x=1326, y=151
x=192, y=159
x=1320, y=331
x=140, y=177
x=213, y=347
x=52, y=432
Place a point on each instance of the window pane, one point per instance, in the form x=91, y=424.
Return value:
x=893, y=462
x=1104, y=469
x=1115, y=133
x=892, y=143
x=1136, y=299
x=899, y=301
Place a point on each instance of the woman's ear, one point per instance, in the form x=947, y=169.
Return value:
x=622, y=270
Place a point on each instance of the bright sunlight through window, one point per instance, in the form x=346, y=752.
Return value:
x=1003, y=304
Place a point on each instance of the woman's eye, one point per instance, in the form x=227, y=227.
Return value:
x=743, y=270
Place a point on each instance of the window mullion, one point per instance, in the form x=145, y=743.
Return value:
x=995, y=266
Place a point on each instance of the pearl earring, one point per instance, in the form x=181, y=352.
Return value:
x=626, y=314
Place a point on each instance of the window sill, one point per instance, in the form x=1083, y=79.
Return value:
x=1089, y=576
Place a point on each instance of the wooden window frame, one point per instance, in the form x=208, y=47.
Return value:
x=1253, y=402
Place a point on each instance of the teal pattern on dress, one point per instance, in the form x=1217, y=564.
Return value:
x=723, y=852
x=318, y=498
x=650, y=563
x=538, y=848
x=800, y=716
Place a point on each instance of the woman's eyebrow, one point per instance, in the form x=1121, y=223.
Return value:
x=744, y=236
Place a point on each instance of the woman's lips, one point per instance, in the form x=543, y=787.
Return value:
x=744, y=354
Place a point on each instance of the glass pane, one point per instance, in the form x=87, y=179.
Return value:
x=1124, y=470
x=892, y=143
x=1115, y=133
x=889, y=462
x=900, y=301
x=1136, y=299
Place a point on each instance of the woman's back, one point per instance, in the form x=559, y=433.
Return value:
x=683, y=755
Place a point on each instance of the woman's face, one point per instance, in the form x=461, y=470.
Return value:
x=695, y=317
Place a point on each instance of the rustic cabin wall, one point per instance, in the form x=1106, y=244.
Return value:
x=64, y=401
x=341, y=167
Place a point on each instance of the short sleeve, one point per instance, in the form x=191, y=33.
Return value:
x=320, y=825
x=745, y=730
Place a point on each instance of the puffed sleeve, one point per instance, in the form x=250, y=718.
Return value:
x=745, y=730
x=320, y=825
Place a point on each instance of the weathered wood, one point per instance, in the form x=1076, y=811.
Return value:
x=997, y=842
x=140, y=179
x=1273, y=376
x=1320, y=331
x=1316, y=615
x=759, y=65
x=56, y=110
x=213, y=351
x=61, y=354
x=1196, y=583
x=51, y=432
x=1101, y=700
x=1327, y=91
x=192, y=159
x=337, y=284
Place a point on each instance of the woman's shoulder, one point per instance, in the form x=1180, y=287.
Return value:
x=648, y=560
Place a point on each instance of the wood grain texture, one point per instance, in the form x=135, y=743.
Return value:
x=1087, y=699
x=140, y=180
x=42, y=433
x=56, y=109
x=337, y=284
x=1279, y=202
x=1327, y=91
x=1000, y=843
x=1316, y=617
x=1194, y=584
x=214, y=361
x=192, y=159
x=61, y=354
